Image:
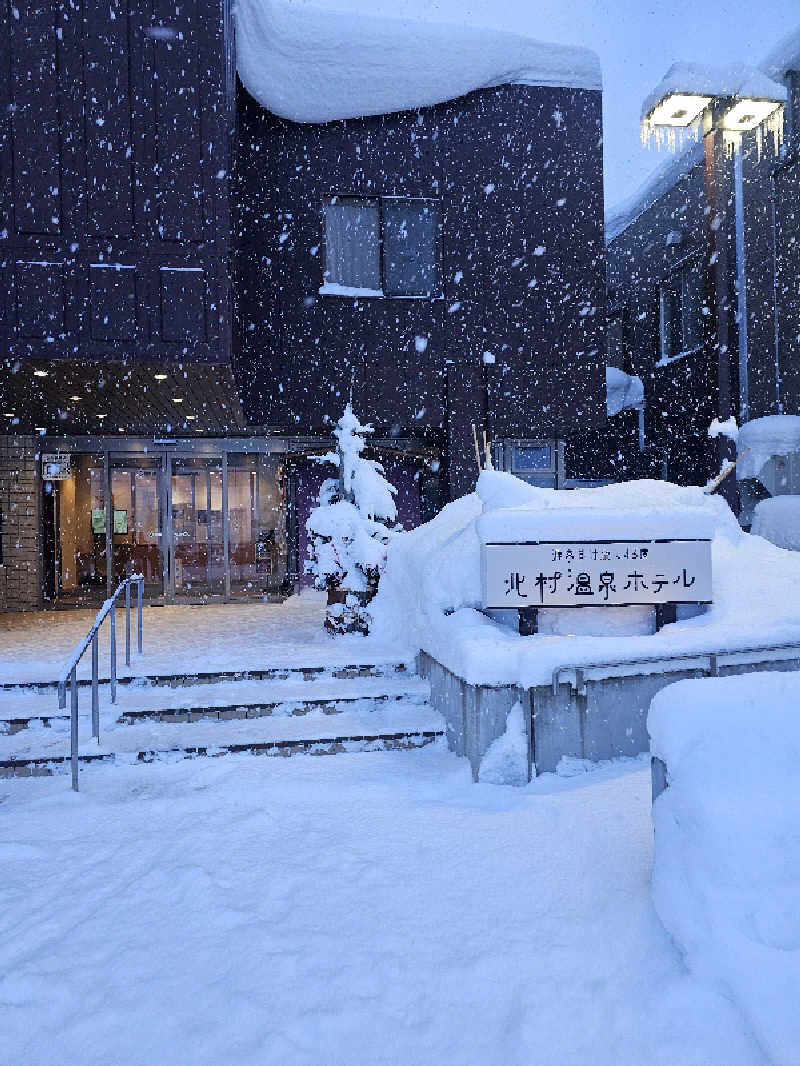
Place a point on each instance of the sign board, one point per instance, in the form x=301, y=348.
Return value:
x=56, y=467
x=596, y=573
x=98, y=520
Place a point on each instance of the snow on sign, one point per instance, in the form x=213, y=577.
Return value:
x=596, y=573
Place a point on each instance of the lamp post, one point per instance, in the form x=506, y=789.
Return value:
x=720, y=109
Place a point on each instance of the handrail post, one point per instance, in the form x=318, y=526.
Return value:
x=113, y=613
x=95, y=687
x=127, y=622
x=73, y=726
x=62, y=694
x=139, y=597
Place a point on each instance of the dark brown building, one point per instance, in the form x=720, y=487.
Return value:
x=191, y=289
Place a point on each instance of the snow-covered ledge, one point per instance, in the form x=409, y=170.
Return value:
x=313, y=62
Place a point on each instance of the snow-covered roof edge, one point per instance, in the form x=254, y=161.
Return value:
x=312, y=63
x=785, y=56
x=714, y=81
x=672, y=170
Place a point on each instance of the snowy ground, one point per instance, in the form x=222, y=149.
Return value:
x=214, y=637
x=361, y=909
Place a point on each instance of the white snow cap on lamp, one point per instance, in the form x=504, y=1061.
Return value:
x=309, y=62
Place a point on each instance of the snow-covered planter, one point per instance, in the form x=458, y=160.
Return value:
x=350, y=529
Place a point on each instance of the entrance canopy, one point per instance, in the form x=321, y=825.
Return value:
x=60, y=397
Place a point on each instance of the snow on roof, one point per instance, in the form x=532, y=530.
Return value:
x=652, y=190
x=704, y=81
x=309, y=62
x=785, y=56
x=713, y=81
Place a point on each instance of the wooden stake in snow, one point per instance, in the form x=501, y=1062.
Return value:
x=477, y=449
x=715, y=484
x=487, y=455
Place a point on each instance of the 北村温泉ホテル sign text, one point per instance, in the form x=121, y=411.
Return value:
x=596, y=573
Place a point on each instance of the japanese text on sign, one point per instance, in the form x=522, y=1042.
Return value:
x=595, y=574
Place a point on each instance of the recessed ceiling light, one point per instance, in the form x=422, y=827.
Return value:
x=40, y=373
x=101, y=416
x=160, y=377
x=75, y=397
x=177, y=399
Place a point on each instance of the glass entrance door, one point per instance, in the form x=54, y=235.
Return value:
x=136, y=516
x=198, y=549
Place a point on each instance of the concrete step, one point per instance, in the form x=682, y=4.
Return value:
x=185, y=679
x=46, y=767
x=25, y=709
x=402, y=725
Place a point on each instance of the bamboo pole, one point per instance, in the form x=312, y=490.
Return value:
x=715, y=484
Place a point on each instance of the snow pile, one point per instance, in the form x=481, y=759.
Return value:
x=765, y=437
x=727, y=847
x=778, y=521
x=430, y=595
x=506, y=760
x=310, y=62
x=622, y=391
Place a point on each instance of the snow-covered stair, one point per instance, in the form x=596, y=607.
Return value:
x=325, y=714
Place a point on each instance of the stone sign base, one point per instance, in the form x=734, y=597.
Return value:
x=595, y=718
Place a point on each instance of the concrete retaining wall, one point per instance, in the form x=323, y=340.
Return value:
x=606, y=720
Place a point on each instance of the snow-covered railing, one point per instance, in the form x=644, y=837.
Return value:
x=710, y=662
x=70, y=670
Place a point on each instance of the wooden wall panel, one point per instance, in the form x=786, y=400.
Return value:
x=112, y=299
x=40, y=299
x=35, y=116
x=108, y=127
x=177, y=113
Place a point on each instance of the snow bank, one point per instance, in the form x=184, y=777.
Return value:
x=430, y=594
x=622, y=391
x=313, y=63
x=778, y=521
x=765, y=437
x=727, y=861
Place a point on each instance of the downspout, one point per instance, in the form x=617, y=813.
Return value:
x=741, y=286
x=775, y=293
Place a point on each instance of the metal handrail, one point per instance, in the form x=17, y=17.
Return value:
x=712, y=656
x=70, y=671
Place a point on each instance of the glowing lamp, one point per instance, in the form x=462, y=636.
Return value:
x=747, y=114
x=678, y=109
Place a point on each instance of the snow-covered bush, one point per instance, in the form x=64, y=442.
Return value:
x=350, y=528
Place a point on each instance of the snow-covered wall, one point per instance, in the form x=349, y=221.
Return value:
x=313, y=63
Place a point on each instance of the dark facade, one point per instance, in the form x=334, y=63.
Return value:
x=667, y=240
x=517, y=175
x=165, y=346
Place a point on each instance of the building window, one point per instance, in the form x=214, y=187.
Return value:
x=388, y=246
x=680, y=307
